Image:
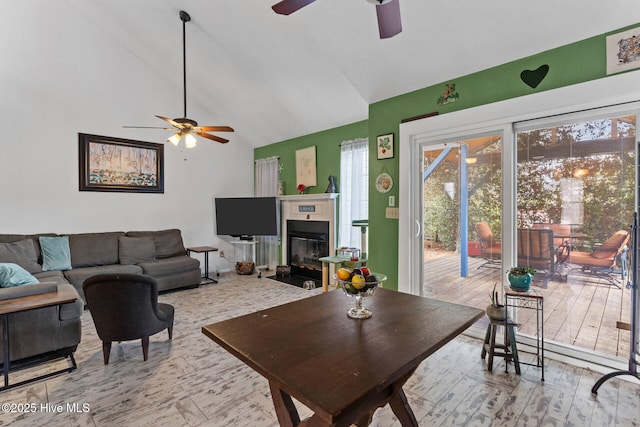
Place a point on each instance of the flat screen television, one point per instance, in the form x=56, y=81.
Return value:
x=246, y=216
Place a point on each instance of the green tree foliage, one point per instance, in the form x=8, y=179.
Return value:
x=545, y=156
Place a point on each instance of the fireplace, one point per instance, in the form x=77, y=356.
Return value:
x=308, y=233
x=307, y=242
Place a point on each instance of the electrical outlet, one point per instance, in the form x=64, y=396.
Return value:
x=392, y=213
x=221, y=254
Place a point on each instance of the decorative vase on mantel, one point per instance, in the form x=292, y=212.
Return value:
x=519, y=282
x=496, y=312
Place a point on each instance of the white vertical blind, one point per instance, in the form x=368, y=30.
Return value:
x=267, y=177
x=354, y=190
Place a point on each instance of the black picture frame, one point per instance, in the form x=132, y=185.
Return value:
x=384, y=144
x=120, y=165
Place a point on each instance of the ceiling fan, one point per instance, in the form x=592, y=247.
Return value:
x=185, y=127
x=388, y=11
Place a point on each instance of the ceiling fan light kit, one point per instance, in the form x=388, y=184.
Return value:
x=388, y=12
x=185, y=127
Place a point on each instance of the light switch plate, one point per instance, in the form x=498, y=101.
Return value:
x=392, y=201
x=392, y=213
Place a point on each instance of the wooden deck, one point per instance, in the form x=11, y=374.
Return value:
x=583, y=311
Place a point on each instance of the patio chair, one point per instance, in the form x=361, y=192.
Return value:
x=562, y=244
x=536, y=249
x=601, y=263
x=561, y=233
x=490, y=248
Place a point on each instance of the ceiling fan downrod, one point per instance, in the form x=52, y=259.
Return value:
x=184, y=17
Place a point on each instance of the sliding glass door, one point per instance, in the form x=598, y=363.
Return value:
x=576, y=176
x=462, y=202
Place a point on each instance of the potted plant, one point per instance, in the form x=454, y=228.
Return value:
x=496, y=310
x=520, y=278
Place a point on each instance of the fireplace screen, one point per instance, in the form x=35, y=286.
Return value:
x=306, y=252
x=307, y=243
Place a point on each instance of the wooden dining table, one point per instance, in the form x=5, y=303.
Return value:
x=343, y=369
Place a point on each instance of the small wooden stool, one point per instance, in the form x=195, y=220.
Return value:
x=508, y=350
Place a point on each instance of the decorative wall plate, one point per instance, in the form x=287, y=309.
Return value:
x=384, y=183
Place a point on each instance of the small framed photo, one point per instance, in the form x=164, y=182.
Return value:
x=123, y=165
x=385, y=146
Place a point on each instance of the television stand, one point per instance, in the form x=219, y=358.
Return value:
x=247, y=238
x=243, y=244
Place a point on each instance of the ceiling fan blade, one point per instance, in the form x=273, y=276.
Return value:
x=287, y=7
x=212, y=137
x=146, y=127
x=171, y=122
x=389, y=21
x=213, y=129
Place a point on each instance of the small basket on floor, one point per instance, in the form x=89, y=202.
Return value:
x=244, y=268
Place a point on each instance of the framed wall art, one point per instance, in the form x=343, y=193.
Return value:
x=306, y=167
x=121, y=165
x=623, y=51
x=385, y=146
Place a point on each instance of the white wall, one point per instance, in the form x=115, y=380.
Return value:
x=61, y=75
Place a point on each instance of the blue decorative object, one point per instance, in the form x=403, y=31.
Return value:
x=56, y=254
x=519, y=282
x=13, y=275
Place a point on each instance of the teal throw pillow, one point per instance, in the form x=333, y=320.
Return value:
x=13, y=275
x=56, y=254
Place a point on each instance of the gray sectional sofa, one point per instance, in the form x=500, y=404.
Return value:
x=57, y=329
x=159, y=254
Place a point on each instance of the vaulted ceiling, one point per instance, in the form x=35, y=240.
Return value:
x=274, y=77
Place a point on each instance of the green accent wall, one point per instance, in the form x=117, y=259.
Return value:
x=327, y=145
x=568, y=65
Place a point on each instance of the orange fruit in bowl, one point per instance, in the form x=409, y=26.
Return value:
x=343, y=274
x=358, y=281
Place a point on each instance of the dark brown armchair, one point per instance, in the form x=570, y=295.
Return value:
x=601, y=262
x=491, y=249
x=125, y=307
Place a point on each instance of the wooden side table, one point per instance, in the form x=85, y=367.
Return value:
x=26, y=303
x=204, y=250
x=338, y=261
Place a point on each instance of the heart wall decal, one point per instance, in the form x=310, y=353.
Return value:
x=535, y=77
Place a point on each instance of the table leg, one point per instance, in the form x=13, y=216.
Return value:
x=400, y=407
x=393, y=395
x=206, y=269
x=5, y=348
x=325, y=276
x=285, y=409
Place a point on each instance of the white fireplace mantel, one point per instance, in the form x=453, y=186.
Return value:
x=321, y=196
x=309, y=207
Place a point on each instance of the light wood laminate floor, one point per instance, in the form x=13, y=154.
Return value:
x=190, y=381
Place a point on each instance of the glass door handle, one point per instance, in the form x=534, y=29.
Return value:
x=417, y=228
